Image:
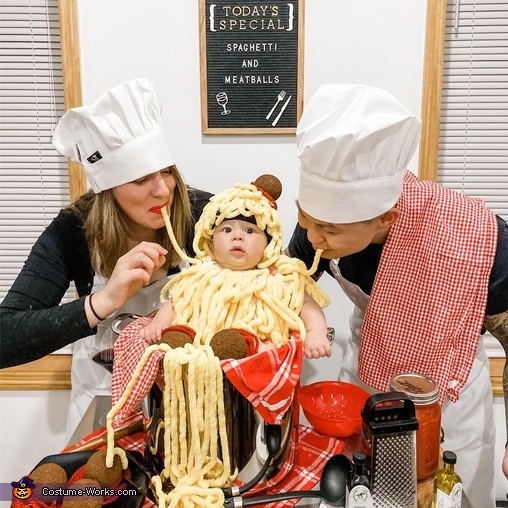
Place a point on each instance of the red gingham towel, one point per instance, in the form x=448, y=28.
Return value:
x=302, y=470
x=268, y=379
x=129, y=348
x=309, y=454
x=32, y=503
x=134, y=442
x=428, y=300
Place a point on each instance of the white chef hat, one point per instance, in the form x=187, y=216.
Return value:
x=354, y=142
x=118, y=138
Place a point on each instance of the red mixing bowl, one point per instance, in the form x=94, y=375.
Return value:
x=333, y=408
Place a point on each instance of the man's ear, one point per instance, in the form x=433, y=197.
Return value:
x=388, y=218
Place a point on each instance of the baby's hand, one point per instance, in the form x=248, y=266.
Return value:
x=152, y=332
x=317, y=344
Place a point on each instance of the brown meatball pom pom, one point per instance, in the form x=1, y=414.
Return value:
x=96, y=469
x=229, y=344
x=83, y=501
x=48, y=473
x=270, y=184
x=175, y=338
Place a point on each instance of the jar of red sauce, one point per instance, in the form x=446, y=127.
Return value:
x=425, y=395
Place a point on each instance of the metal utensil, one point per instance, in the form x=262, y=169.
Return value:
x=330, y=333
x=280, y=97
x=390, y=426
x=105, y=356
x=143, y=492
x=138, y=463
x=122, y=320
x=273, y=437
x=332, y=487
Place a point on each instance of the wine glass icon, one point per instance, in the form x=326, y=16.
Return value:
x=222, y=100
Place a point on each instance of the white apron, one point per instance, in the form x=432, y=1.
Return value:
x=88, y=377
x=468, y=424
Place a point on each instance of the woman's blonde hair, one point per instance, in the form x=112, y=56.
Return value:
x=106, y=231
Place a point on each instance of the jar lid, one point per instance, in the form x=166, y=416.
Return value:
x=420, y=389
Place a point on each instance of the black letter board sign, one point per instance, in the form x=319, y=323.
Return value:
x=251, y=70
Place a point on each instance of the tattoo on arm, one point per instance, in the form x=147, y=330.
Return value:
x=497, y=325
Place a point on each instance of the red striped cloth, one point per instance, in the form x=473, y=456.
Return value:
x=302, y=470
x=33, y=503
x=268, y=379
x=428, y=300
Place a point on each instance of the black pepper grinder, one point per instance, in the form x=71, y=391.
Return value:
x=358, y=485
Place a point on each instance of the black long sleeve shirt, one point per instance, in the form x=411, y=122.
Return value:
x=32, y=321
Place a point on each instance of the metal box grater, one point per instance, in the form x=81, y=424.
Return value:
x=390, y=425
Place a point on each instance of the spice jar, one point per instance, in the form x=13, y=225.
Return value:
x=425, y=395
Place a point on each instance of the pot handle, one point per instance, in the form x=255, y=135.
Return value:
x=120, y=321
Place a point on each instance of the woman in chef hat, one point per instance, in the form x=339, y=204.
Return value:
x=111, y=242
x=425, y=267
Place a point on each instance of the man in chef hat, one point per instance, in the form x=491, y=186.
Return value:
x=425, y=267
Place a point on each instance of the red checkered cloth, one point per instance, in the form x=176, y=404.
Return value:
x=32, y=503
x=268, y=379
x=134, y=442
x=306, y=459
x=428, y=301
x=302, y=470
x=129, y=349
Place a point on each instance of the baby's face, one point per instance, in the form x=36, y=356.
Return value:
x=238, y=244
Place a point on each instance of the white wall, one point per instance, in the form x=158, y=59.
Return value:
x=32, y=426
x=365, y=41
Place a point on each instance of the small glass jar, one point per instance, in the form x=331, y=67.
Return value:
x=425, y=395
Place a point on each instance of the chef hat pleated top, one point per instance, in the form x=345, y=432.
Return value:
x=118, y=138
x=354, y=143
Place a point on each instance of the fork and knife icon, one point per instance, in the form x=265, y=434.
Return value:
x=280, y=98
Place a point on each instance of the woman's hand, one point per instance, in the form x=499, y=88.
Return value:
x=505, y=462
x=132, y=272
